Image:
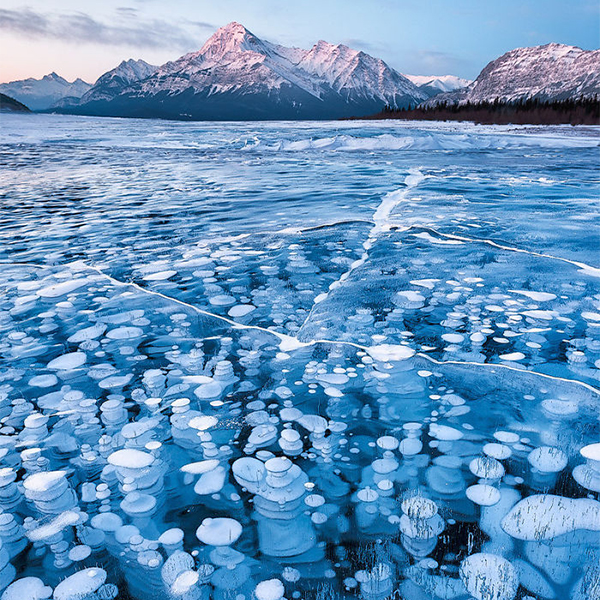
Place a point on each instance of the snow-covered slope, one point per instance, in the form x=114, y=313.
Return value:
x=39, y=94
x=549, y=72
x=233, y=59
x=438, y=84
x=356, y=75
x=236, y=75
x=113, y=82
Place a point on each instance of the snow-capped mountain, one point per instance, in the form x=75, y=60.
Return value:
x=39, y=94
x=438, y=84
x=356, y=76
x=113, y=82
x=549, y=72
x=238, y=76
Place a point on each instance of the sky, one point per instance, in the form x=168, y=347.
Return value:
x=83, y=38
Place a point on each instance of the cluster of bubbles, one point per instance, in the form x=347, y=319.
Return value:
x=149, y=450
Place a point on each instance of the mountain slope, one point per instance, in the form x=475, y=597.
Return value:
x=113, y=82
x=8, y=104
x=40, y=94
x=549, y=72
x=238, y=76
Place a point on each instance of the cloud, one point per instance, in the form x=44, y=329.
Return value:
x=361, y=44
x=79, y=27
x=376, y=49
x=440, y=63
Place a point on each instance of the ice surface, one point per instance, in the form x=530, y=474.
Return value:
x=298, y=360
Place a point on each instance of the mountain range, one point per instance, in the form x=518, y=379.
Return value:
x=40, y=94
x=437, y=84
x=548, y=72
x=238, y=76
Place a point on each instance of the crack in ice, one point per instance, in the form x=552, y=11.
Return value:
x=383, y=353
x=465, y=363
x=381, y=222
x=585, y=268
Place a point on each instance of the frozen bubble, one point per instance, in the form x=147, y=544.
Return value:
x=79, y=553
x=60, y=289
x=159, y=276
x=545, y=516
x=536, y=296
x=445, y=433
x=548, y=459
x=80, y=585
x=221, y=531
x=560, y=408
x=314, y=500
x=387, y=442
x=419, y=507
x=39, y=484
x=497, y=451
x=506, y=437
x=544, y=315
x=271, y=589
x=426, y=283
x=489, y=577
x=482, y=494
x=87, y=333
x=314, y=423
x=410, y=446
x=591, y=316
x=390, y=352
x=591, y=452
x=453, y=338
x=125, y=333
x=43, y=381
x=222, y=300
x=208, y=391
x=240, y=310
x=203, y=422
x=27, y=588
x=512, y=356
x=203, y=466
x=486, y=467
x=68, y=362
x=131, y=458
x=290, y=574
x=409, y=299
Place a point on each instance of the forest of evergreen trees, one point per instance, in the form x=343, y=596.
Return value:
x=580, y=111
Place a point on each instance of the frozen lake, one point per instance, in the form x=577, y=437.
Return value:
x=368, y=351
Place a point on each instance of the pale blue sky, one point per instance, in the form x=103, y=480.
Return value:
x=429, y=37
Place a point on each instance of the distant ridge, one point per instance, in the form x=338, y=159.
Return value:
x=547, y=73
x=40, y=94
x=433, y=85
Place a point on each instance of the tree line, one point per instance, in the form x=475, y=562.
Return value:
x=532, y=111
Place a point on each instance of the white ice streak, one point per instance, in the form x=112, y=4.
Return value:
x=381, y=223
x=441, y=142
x=585, y=268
